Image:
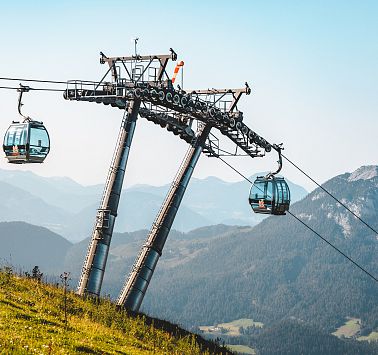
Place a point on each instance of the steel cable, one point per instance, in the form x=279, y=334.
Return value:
x=327, y=192
x=310, y=228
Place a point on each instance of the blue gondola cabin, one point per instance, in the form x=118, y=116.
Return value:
x=270, y=195
x=26, y=142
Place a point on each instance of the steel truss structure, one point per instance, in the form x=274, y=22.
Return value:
x=140, y=85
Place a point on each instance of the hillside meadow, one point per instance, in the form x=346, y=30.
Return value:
x=32, y=321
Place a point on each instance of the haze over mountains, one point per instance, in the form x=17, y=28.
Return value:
x=24, y=245
x=69, y=208
x=273, y=272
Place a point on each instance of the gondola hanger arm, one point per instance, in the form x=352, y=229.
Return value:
x=21, y=90
x=278, y=148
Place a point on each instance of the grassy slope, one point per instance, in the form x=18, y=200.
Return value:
x=231, y=328
x=373, y=336
x=242, y=349
x=32, y=321
x=351, y=327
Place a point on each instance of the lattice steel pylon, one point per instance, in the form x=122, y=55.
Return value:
x=141, y=85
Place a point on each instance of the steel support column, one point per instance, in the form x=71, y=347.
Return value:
x=135, y=287
x=95, y=262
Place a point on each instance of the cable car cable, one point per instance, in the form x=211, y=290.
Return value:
x=47, y=81
x=35, y=89
x=36, y=80
x=8, y=87
x=335, y=198
x=291, y=162
x=46, y=89
x=227, y=153
x=333, y=246
x=237, y=171
x=310, y=228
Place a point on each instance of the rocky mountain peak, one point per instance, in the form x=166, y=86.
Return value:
x=366, y=172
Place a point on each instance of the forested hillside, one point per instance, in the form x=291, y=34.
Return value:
x=276, y=271
x=293, y=337
x=280, y=269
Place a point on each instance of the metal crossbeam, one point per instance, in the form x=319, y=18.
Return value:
x=201, y=105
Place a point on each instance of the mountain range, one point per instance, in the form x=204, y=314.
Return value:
x=274, y=272
x=280, y=269
x=271, y=272
x=68, y=208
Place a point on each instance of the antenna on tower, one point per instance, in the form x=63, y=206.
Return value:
x=135, y=39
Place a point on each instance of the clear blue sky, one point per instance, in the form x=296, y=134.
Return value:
x=312, y=66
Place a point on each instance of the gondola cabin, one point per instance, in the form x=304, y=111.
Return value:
x=26, y=142
x=270, y=195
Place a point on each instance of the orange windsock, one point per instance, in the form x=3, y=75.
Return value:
x=178, y=66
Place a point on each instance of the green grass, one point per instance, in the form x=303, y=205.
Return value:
x=32, y=322
x=373, y=336
x=351, y=329
x=348, y=330
x=242, y=349
x=232, y=328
